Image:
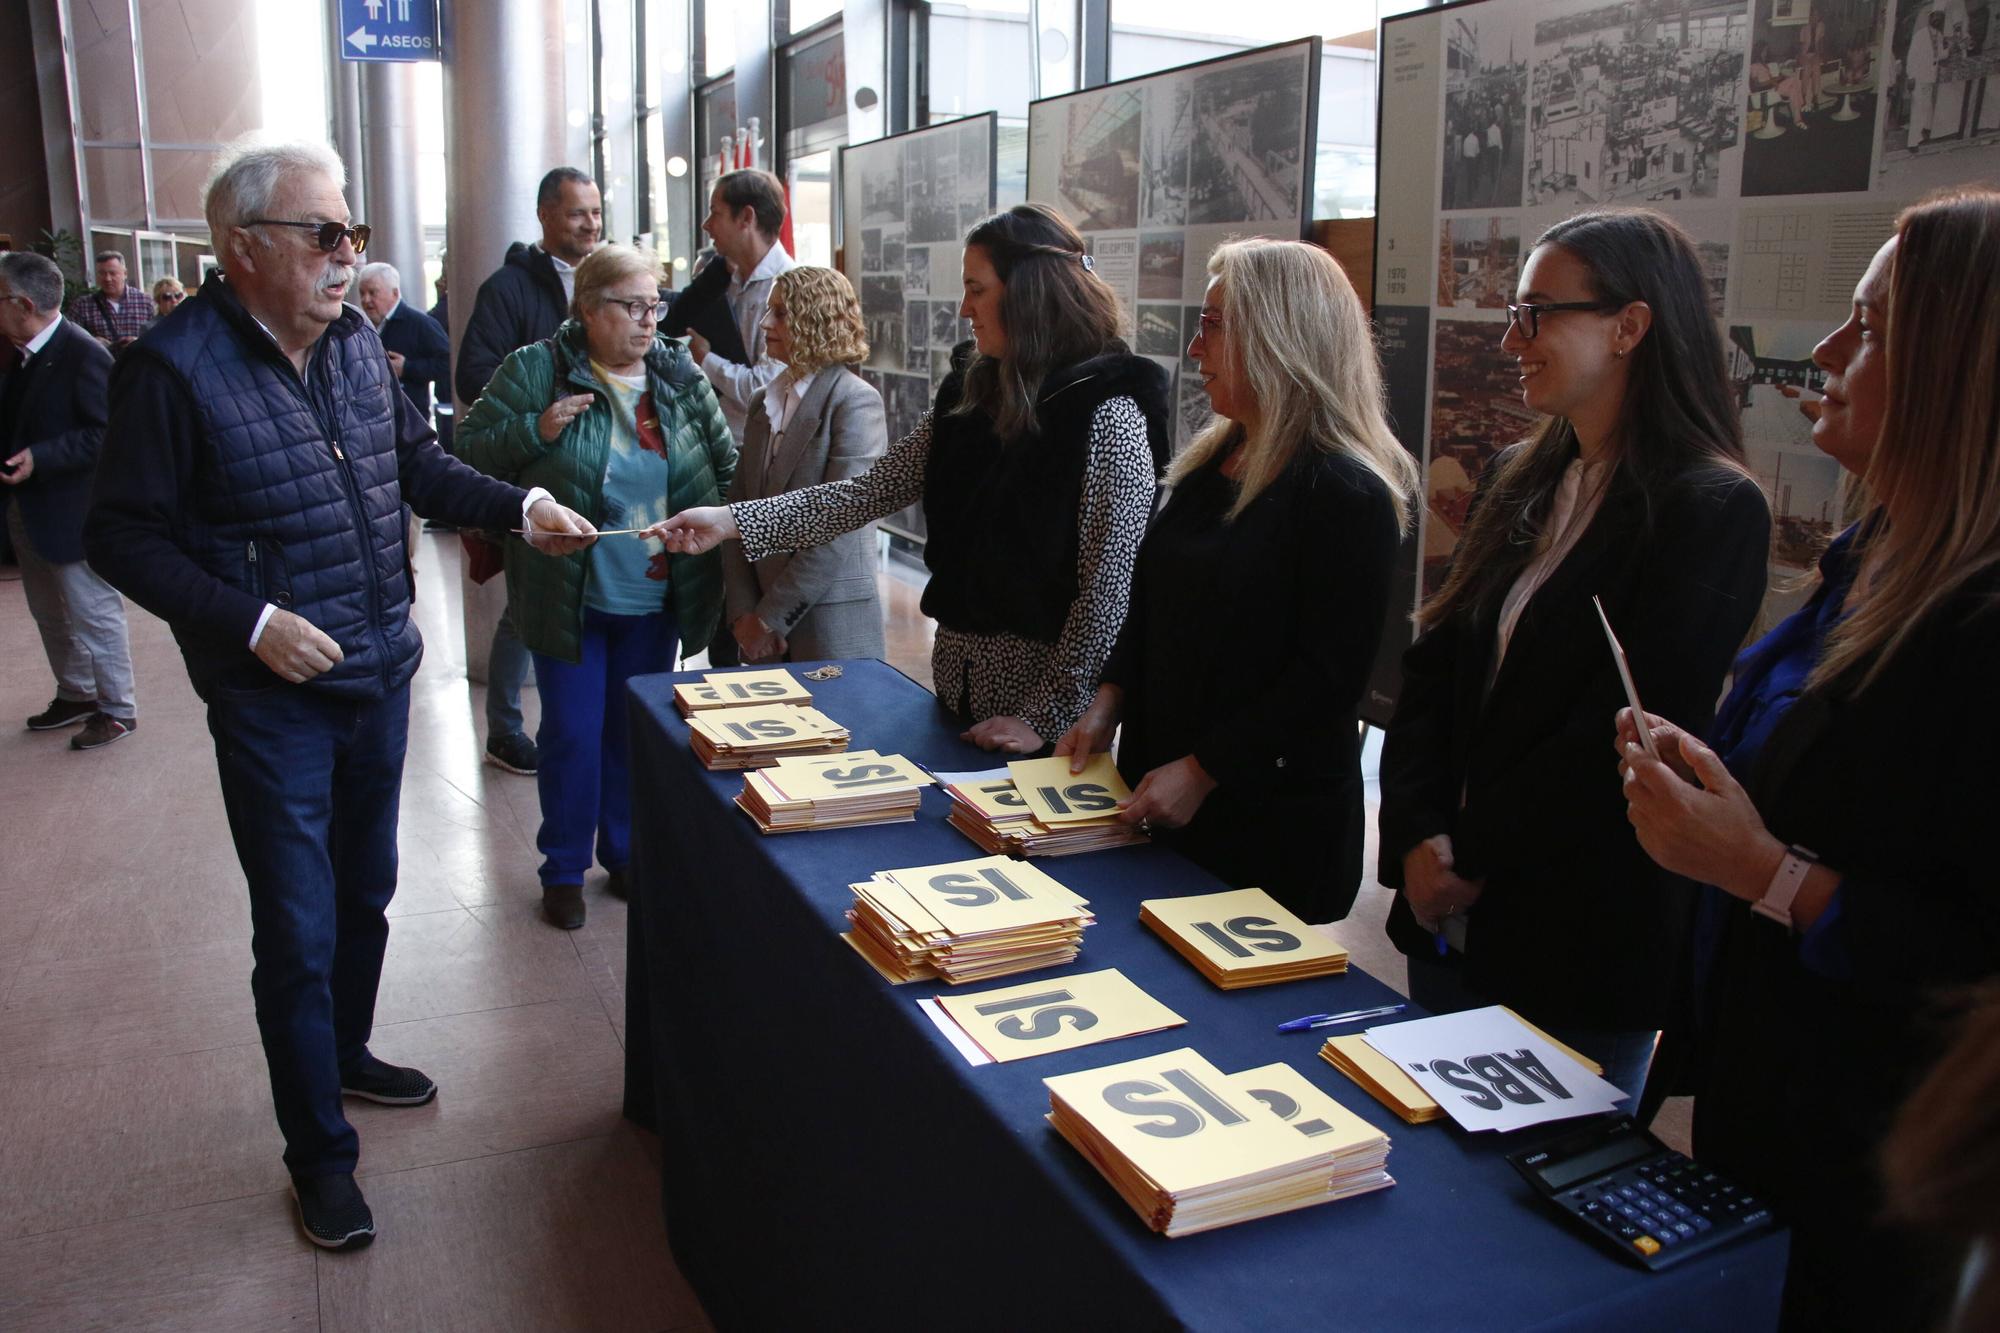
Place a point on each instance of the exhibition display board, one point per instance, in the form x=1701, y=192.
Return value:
x=1784, y=135
x=1157, y=171
x=906, y=203
x=828, y=1154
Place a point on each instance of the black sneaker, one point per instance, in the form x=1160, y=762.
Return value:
x=61, y=713
x=562, y=904
x=332, y=1212
x=101, y=730
x=392, y=1085
x=516, y=754
x=618, y=886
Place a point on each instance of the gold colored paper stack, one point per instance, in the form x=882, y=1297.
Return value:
x=992, y=813
x=760, y=735
x=1242, y=938
x=833, y=791
x=965, y=921
x=740, y=689
x=1384, y=1079
x=1190, y=1148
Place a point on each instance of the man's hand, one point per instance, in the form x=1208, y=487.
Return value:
x=18, y=468
x=560, y=413
x=697, y=347
x=1432, y=884
x=759, y=642
x=296, y=648
x=395, y=363
x=1009, y=734
x=693, y=531
x=557, y=529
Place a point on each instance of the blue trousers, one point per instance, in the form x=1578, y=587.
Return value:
x=585, y=773
x=313, y=785
x=1626, y=1056
x=506, y=672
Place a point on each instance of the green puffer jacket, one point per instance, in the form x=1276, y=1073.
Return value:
x=499, y=437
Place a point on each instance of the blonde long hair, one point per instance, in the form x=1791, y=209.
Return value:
x=1936, y=468
x=1301, y=340
x=822, y=318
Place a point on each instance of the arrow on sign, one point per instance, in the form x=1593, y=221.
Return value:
x=361, y=39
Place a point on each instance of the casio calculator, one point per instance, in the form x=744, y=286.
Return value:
x=1639, y=1197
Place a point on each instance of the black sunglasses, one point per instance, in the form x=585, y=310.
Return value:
x=1528, y=318
x=326, y=235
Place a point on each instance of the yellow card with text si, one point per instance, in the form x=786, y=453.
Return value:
x=1060, y=1015
x=757, y=724
x=987, y=893
x=1180, y=1120
x=1241, y=928
x=847, y=775
x=994, y=800
x=1300, y=1103
x=771, y=686
x=1057, y=796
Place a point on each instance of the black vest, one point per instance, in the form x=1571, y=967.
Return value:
x=1001, y=516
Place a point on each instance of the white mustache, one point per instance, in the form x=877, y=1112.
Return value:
x=336, y=275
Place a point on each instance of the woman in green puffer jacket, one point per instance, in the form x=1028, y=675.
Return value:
x=617, y=423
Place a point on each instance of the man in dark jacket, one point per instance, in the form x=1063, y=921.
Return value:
x=51, y=425
x=524, y=302
x=419, y=350
x=256, y=466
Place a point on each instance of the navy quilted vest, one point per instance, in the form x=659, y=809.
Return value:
x=296, y=497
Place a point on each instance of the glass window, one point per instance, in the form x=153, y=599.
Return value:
x=718, y=36
x=815, y=84
x=714, y=120
x=811, y=188
x=979, y=60
x=805, y=13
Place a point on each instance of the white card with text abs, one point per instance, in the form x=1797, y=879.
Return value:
x=1488, y=1070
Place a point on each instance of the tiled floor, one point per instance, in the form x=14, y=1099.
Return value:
x=140, y=1179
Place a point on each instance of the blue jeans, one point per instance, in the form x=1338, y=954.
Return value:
x=1626, y=1056
x=313, y=785
x=506, y=672
x=585, y=773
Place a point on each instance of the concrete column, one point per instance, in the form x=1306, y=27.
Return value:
x=343, y=108
x=389, y=172
x=505, y=114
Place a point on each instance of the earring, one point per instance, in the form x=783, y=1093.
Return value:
x=1618, y=352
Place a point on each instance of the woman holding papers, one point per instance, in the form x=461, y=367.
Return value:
x=1519, y=881
x=1036, y=467
x=819, y=421
x=1844, y=812
x=617, y=423
x=1281, y=534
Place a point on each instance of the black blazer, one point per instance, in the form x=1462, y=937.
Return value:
x=1803, y=1068
x=1576, y=926
x=426, y=351
x=60, y=414
x=1248, y=645
x=703, y=307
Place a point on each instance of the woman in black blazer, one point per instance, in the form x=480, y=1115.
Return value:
x=1280, y=534
x=1844, y=815
x=1519, y=880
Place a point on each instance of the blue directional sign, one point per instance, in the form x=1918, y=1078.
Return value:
x=388, y=29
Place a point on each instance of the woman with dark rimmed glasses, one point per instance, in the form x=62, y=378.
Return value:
x=1518, y=879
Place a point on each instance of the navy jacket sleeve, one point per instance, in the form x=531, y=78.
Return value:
x=76, y=449
x=438, y=486
x=429, y=357
x=139, y=507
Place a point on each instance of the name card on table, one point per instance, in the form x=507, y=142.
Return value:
x=988, y=893
x=1057, y=796
x=821, y=777
x=735, y=689
x=1489, y=1070
x=1242, y=937
x=1043, y=1016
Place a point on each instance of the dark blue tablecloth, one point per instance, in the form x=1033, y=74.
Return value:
x=828, y=1158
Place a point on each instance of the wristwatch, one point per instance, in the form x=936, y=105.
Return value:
x=1776, y=904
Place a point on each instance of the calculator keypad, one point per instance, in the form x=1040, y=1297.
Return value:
x=1660, y=1205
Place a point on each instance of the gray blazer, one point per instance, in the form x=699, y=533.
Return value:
x=822, y=600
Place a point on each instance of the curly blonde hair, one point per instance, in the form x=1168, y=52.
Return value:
x=823, y=318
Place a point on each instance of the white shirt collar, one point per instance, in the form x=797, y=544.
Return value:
x=41, y=340
x=565, y=273
x=782, y=397
x=774, y=262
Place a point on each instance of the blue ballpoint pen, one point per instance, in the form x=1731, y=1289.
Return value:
x=1351, y=1016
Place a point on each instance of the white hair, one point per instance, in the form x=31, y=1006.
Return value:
x=379, y=269
x=248, y=175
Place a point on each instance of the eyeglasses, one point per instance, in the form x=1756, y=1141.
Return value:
x=1209, y=322
x=327, y=235
x=1528, y=318
x=638, y=311
x=170, y=298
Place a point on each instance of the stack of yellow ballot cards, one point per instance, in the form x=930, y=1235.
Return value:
x=1242, y=938
x=1058, y=1015
x=1190, y=1148
x=740, y=689
x=761, y=735
x=987, y=808
x=833, y=791
x=965, y=921
x=1385, y=1080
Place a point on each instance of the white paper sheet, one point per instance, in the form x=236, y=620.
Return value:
x=1489, y=1071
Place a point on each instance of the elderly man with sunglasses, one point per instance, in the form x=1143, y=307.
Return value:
x=250, y=493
